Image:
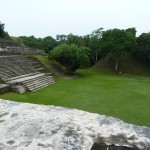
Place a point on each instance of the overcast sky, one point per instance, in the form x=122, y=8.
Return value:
x=51, y=17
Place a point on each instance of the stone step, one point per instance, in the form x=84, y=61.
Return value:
x=35, y=79
x=39, y=79
x=10, y=56
x=7, y=74
x=22, y=76
x=17, y=69
x=32, y=62
x=40, y=87
x=38, y=69
x=37, y=66
x=38, y=83
x=25, y=78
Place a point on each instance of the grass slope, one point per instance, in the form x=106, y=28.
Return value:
x=129, y=66
x=54, y=68
x=124, y=97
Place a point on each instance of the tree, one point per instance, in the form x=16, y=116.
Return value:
x=143, y=48
x=95, y=43
x=70, y=56
x=61, y=38
x=84, y=57
x=118, y=43
x=46, y=44
x=2, y=32
x=132, y=31
x=74, y=39
x=49, y=43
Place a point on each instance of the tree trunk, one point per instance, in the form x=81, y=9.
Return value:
x=95, y=57
x=116, y=66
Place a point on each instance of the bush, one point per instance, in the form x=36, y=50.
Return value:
x=70, y=56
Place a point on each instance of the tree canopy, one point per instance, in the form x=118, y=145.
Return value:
x=70, y=56
x=46, y=44
x=2, y=32
x=118, y=43
x=143, y=48
x=75, y=51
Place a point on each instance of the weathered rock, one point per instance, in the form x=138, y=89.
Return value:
x=4, y=88
x=38, y=127
x=20, y=89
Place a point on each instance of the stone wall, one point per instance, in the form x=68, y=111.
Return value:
x=21, y=50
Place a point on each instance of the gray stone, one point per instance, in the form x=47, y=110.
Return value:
x=20, y=89
x=4, y=88
x=37, y=127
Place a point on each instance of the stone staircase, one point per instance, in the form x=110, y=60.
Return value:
x=32, y=82
x=14, y=65
x=38, y=82
x=37, y=64
x=20, y=74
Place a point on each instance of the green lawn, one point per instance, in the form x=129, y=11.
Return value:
x=124, y=97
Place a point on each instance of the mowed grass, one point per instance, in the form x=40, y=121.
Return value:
x=124, y=97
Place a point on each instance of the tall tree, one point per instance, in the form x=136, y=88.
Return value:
x=132, y=31
x=61, y=38
x=2, y=26
x=95, y=43
x=49, y=43
x=143, y=48
x=75, y=39
x=118, y=43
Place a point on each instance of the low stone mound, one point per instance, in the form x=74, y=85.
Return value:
x=38, y=127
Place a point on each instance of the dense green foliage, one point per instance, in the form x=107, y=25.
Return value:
x=124, y=97
x=118, y=44
x=143, y=48
x=2, y=33
x=46, y=44
x=70, y=56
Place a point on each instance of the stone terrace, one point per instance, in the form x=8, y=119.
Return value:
x=18, y=73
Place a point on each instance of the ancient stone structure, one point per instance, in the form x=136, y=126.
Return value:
x=20, y=50
x=9, y=46
x=21, y=75
x=37, y=127
x=4, y=88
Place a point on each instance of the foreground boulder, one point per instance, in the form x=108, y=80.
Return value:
x=37, y=127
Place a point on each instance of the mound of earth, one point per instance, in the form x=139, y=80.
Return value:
x=129, y=66
x=37, y=127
